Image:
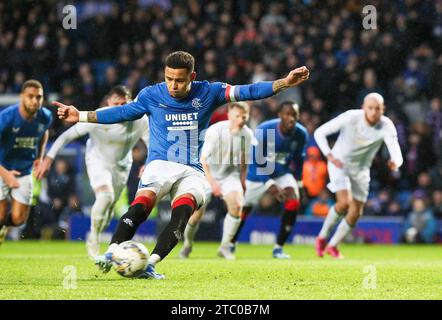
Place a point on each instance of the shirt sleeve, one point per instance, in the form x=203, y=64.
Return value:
x=210, y=142
x=227, y=93
x=4, y=122
x=74, y=132
x=146, y=134
x=330, y=128
x=249, y=141
x=128, y=112
x=50, y=120
x=392, y=143
x=299, y=156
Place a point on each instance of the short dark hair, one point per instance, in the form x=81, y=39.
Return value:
x=180, y=60
x=121, y=91
x=292, y=105
x=31, y=84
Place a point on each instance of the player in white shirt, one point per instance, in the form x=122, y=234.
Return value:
x=224, y=158
x=361, y=134
x=108, y=161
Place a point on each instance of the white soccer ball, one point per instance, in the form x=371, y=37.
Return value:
x=129, y=259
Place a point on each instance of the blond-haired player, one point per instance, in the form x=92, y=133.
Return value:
x=223, y=156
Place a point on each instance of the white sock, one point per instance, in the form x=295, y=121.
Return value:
x=154, y=259
x=99, y=212
x=329, y=222
x=231, y=225
x=107, y=217
x=343, y=229
x=189, y=233
x=277, y=246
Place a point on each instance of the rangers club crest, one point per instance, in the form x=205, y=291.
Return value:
x=196, y=103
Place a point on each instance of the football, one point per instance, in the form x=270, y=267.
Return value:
x=129, y=259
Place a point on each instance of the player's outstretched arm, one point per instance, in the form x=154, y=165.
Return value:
x=261, y=90
x=216, y=188
x=71, y=114
x=294, y=78
x=392, y=142
x=128, y=112
x=74, y=132
x=330, y=127
x=41, y=151
x=320, y=135
x=42, y=170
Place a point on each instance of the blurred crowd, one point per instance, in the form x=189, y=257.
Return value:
x=125, y=42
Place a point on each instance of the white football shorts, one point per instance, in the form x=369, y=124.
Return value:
x=355, y=181
x=173, y=179
x=255, y=189
x=229, y=183
x=22, y=194
x=101, y=174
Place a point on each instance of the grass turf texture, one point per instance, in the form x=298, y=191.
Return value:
x=37, y=270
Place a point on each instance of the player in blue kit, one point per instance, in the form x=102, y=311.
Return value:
x=23, y=136
x=179, y=111
x=281, y=144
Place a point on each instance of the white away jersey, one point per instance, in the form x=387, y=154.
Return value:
x=110, y=143
x=358, y=141
x=223, y=150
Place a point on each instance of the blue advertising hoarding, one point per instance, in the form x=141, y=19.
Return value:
x=260, y=230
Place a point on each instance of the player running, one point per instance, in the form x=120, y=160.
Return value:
x=179, y=111
x=108, y=161
x=281, y=145
x=224, y=158
x=361, y=133
x=23, y=136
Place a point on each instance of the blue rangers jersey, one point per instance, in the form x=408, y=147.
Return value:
x=177, y=126
x=274, y=153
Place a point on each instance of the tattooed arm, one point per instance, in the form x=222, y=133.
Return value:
x=260, y=90
x=127, y=112
x=294, y=78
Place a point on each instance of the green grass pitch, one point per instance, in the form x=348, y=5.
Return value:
x=61, y=270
